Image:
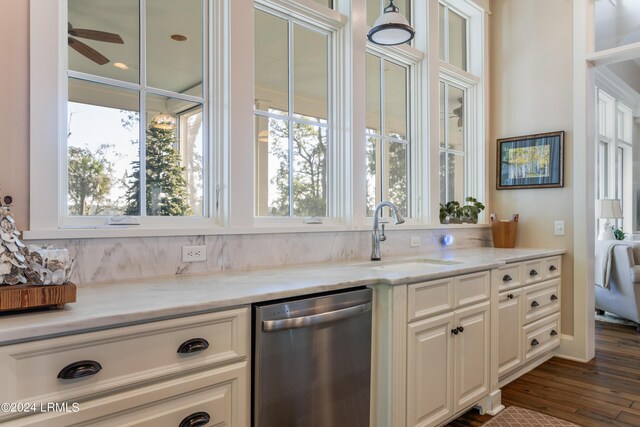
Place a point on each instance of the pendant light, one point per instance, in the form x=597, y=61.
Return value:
x=163, y=121
x=391, y=28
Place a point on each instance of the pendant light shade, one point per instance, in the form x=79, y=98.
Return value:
x=391, y=28
x=163, y=121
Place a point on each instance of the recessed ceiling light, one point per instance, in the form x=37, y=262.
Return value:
x=120, y=65
x=178, y=37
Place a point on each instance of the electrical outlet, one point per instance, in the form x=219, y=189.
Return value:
x=415, y=241
x=558, y=227
x=194, y=253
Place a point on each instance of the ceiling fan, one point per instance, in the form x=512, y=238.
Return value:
x=86, y=50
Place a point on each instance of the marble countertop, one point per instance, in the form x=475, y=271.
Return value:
x=105, y=305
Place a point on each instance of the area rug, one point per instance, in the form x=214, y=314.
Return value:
x=612, y=318
x=514, y=416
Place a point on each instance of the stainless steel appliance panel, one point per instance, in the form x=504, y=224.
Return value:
x=312, y=361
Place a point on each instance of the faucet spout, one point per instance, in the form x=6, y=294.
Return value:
x=375, y=235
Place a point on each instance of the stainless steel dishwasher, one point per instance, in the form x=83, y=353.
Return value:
x=312, y=361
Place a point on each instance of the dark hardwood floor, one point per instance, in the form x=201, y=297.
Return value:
x=605, y=391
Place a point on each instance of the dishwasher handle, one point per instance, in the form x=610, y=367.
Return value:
x=314, y=319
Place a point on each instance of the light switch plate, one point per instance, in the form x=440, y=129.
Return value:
x=558, y=227
x=415, y=241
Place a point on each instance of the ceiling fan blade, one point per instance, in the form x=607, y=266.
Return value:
x=101, y=36
x=88, y=51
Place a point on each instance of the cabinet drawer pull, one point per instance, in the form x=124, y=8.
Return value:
x=535, y=304
x=506, y=278
x=193, y=345
x=552, y=268
x=534, y=342
x=533, y=273
x=83, y=368
x=553, y=297
x=510, y=296
x=196, y=419
x=455, y=331
x=553, y=333
x=460, y=329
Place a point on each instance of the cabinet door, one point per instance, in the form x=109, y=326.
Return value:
x=472, y=349
x=429, y=371
x=509, y=331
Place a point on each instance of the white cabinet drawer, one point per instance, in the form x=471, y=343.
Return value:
x=541, y=300
x=508, y=277
x=541, y=336
x=532, y=271
x=552, y=267
x=438, y=296
x=426, y=299
x=214, y=394
x=127, y=356
x=471, y=288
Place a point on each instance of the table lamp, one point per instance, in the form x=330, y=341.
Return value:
x=608, y=209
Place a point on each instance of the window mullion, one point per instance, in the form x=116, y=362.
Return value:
x=142, y=170
x=290, y=113
x=383, y=170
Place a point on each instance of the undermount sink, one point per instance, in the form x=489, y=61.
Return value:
x=416, y=264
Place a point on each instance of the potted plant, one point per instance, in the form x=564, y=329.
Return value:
x=471, y=210
x=453, y=213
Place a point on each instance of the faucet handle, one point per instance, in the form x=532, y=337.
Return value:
x=382, y=236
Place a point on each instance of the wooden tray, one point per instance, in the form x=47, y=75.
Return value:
x=21, y=297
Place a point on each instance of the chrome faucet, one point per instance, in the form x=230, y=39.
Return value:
x=376, y=236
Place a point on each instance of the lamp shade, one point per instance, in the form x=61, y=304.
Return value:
x=391, y=28
x=163, y=121
x=608, y=208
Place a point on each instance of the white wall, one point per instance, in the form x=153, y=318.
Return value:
x=14, y=108
x=531, y=92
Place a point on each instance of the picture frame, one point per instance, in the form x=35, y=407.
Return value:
x=530, y=161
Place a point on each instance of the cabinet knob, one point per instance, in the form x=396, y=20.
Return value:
x=533, y=273
x=535, y=304
x=196, y=419
x=460, y=329
x=552, y=268
x=83, y=368
x=553, y=297
x=553, y=332
x=534, y=342
x=506, y=278
x=510, y=296
x=193, y=345
x=455, y=331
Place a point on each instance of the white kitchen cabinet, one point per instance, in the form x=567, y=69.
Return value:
x=509, y=341
x=528, y=317
x=124, y=369
x=448, y=355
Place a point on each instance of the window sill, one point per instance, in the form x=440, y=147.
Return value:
x=124, y=232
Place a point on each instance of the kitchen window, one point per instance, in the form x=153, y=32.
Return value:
x=127, y=152
x=125, y=128
x=461, y=130
x=388, y=145
x=293, y=117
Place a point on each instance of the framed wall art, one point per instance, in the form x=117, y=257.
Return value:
x=531, y=161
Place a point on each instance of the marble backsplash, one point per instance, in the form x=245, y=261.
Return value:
x=108, y=260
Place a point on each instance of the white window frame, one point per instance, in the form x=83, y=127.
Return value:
x=612, y=111
x=474, y=83
x=327, y=22
x=411, y=59
x=49, y=94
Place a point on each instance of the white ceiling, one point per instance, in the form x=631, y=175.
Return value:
x=171, y=65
